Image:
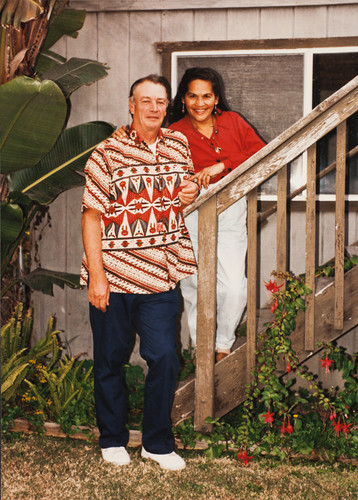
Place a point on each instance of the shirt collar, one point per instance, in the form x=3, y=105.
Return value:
x=133, y=134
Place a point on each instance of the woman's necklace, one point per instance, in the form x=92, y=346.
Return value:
x=212, y=136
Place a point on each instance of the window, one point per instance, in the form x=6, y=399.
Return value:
x=273, y=88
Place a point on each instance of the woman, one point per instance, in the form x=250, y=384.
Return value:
x=219, y=141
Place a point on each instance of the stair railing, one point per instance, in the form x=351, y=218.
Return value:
x=244, y=181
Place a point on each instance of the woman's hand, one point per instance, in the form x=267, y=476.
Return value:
x=204, y=176
x=120, y=133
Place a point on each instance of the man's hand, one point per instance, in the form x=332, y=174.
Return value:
x=120, y=133
x=204, y=176
x=98, y=291
x=98, y=288
x=188, y=192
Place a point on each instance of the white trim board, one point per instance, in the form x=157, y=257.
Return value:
x=165, y=5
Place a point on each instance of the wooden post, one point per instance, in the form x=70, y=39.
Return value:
x=310, y=247
x=206, y=315
x=339, y=233
x=251, y=282
x=281, y=235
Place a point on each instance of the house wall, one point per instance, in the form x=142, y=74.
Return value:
x=122, y=34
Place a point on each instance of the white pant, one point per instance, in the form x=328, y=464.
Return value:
x=231, y=285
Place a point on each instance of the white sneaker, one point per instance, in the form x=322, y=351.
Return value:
x=169, y=461
x=116, y=455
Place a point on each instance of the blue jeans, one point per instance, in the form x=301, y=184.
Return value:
x=154, y=318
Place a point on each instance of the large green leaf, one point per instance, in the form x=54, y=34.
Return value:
x=11, y=222
x=44, y=279
x=62, y=168
x=14, y=12
x=48, y=60
x=32, y=116
x=67, y=22
x=76, y=72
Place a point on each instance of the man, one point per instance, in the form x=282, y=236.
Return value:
x=136, y=250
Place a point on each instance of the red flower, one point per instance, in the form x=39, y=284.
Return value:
x=268, y=417
x=288, y=367
x=245, y=459
x=333, y=415
x=283, y=429
x=289, y=428
x=337, y=427
x=272, y=287
x=345, y=428
x=326, y=363
x=274, y=305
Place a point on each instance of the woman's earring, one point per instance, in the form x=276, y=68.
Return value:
x=183, y=108
x=215, y=109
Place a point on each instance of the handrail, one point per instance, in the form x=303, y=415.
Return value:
x=244, y=180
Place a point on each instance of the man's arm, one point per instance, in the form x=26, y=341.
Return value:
x=188, y=192
x=98, y=288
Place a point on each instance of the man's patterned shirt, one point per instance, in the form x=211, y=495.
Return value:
x=146, y=247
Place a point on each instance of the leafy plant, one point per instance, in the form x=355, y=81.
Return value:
x=39, y=156
x=220, y=438
x=187, y=363
x=38, y=382
x=328, y=269
x=63, y=394
x=276, y=418
x=186, y=433
x=17, y=357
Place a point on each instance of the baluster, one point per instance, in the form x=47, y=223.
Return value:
x=310, y=247
x=251, y=282
x=339, y=232
x=281, y=248
x=281, y=235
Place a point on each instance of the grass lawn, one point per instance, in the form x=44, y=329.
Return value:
x=35, y=467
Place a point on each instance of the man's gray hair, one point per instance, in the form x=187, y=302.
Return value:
x=161, y=80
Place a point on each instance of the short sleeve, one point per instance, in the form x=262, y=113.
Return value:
x=98, y=179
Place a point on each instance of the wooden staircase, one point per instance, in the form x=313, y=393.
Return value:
x=331, y=310
x=229, y=379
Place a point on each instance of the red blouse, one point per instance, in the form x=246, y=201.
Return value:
x=233, y=141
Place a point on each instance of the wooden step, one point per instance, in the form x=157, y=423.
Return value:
x=230, y=372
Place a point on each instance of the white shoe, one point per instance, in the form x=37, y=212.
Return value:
x=116, y=455
x=169, y=461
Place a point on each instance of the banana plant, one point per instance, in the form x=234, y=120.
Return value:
x=39, y=156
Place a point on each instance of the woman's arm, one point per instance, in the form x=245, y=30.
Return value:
x=205, y=175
